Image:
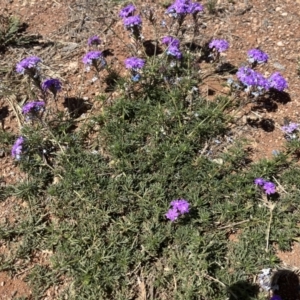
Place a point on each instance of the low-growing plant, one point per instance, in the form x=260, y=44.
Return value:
x=12, y=33
x=212, y=6
x=145, y=204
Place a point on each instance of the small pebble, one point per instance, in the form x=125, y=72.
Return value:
x=278, y=66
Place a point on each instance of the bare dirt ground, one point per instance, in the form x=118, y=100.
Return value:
x=65, y=25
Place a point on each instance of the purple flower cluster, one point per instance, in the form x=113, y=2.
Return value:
x=179, y=207
x=180, y=8
x=134, y=63
x=51, y=84
x=174, y=51
x=173, y=46
x=92, y=57
x=132, y=22
x=268, y=186
x=258, y=56
x=95, y=59
x=256, y=83
x=127, y=11
x=17, y=148
x=219, y=45
x=94, y=40
x=195, y=8
x=28, y=63
x=290, y=128
x=277, y=82
x=251, y=78
x=33, y=107
x=170, y=41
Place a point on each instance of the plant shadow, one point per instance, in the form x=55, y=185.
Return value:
x=226, y=67
x=280, y=97
x=152, y=48
x=265, y=124
x=76, y=106
x=111, y=81
x=4, y=112
x=265, y=103
x=243, y=290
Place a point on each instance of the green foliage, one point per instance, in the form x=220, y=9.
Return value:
x=97, y=199
x=211, y=6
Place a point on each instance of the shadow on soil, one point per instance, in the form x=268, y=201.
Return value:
x=243, y=290
x=152, y=48
x=280, y=97
x=265, y=124
x=76, y=106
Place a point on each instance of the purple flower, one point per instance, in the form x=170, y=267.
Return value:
x=249, y=77
x=134, y=21
x=269, y=187
x=94, y=40
x=181, y=205
x=194, y=8
x=290, y=128
x=127, y=11
x=179, y=8
x=174, y=51
x=27, y=63
x=92, y=57
x=261, y=82
x=245, y=75
x=33, y=107
x=277, y=82
x=17, y=148
x=256, y=55
x=51, y=84
x=134, y=63
x=259, y=181
x=219, y=45
x=172, y=214
x=170, y=41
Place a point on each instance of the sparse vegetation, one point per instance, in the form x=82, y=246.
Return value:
x=98, y=190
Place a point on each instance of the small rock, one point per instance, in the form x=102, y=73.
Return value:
x=70, y=47
x=280, y=44
x=278, y=8
x=284, y=14
x=278, y=66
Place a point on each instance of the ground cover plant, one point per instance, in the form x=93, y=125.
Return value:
x=139, y=199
